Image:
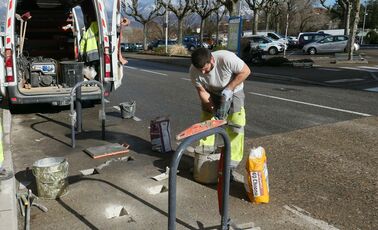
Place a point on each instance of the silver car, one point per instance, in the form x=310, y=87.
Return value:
x=330, y=44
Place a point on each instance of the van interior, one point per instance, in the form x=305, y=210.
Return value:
x=46, y=45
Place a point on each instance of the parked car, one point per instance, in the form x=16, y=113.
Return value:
x=193, y=42
x=275, y=37
x=160, y=42
x=308, y=37
x=125, y=47
x=266, y=44
x=330, y=44
x=138, y=46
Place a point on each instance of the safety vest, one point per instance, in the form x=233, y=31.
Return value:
x=88, y=44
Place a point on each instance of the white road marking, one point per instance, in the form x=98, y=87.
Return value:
x=310, y=104
x=303, y=214
x=117, y=108
x=144, y=70
x=130, y=67
x=361, y=68
x=345, y=80
x=185, y=79
x=149, y=71
x=375, y=89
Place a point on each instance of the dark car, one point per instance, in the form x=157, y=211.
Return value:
x=308, y=37
x=130, y=47
x=160, y=42
x=193, y=42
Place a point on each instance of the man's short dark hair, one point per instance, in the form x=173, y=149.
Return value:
x=200, y=57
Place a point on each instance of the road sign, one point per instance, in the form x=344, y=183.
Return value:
x=234, y=34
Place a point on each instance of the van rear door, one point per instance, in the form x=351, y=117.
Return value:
x=2, y=70
x=114, y=10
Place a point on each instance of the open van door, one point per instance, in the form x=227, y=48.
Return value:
x=117, y=67
x=2, y=70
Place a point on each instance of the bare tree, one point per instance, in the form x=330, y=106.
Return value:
x=219, y=15
x=181, y=10
x=256, y=6
x=346, y=6
x=268, y=8
x=139, y=17
x=230, y=5
x=204, y=8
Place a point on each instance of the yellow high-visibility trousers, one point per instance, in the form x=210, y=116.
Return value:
x=236, y=135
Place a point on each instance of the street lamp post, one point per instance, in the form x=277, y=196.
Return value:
x=166, y=30
x=363, y=24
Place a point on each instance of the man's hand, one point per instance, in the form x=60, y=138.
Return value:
x=227, y=94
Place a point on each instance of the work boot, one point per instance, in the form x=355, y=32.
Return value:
x=5, y=175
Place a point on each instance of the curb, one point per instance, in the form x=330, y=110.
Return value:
x=8, y=202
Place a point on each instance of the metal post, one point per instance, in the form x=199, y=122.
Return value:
x=226, y=176
x=166, y=30
x=363, y=24
x=78, y=104
x=74, y=115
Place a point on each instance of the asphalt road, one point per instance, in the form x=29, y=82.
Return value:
x=277, y=99
x=319, y=130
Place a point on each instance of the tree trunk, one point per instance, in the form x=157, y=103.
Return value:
x=353, y=31
x=144, y=36
x=201, y=30
x=179, y=33
x=255, y=22
x=267, y=16
x=347, y=18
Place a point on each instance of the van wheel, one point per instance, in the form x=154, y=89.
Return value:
x=311, y=51
x=273, y=51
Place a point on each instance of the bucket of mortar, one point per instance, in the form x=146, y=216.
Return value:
x=206, y=165
x=51, y=177
x=127, y=109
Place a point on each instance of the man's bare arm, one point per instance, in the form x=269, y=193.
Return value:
x=206, y=103
x=239, y=78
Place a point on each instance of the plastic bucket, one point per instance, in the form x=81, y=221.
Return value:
x=206, y=165
x=51, y=177
x=127, y=109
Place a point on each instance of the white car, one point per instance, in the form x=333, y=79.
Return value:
x=266, y=44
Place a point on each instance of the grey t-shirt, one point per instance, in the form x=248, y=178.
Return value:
x=227, y=64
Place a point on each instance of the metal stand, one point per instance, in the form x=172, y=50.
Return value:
x=76, y=116
x=225, y=222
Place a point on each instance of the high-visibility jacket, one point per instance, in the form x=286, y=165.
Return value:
x=88, y=44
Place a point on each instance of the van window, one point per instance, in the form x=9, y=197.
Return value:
x=109, y=11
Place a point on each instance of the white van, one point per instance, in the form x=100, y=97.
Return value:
x=39, y=49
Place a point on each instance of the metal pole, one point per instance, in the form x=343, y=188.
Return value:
x=78, y=104
x=287, y=26
x=363, y=24
x=73, y=114
x=226, y=176
x=166, y=30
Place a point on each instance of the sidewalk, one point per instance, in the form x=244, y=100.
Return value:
x=8, y=203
